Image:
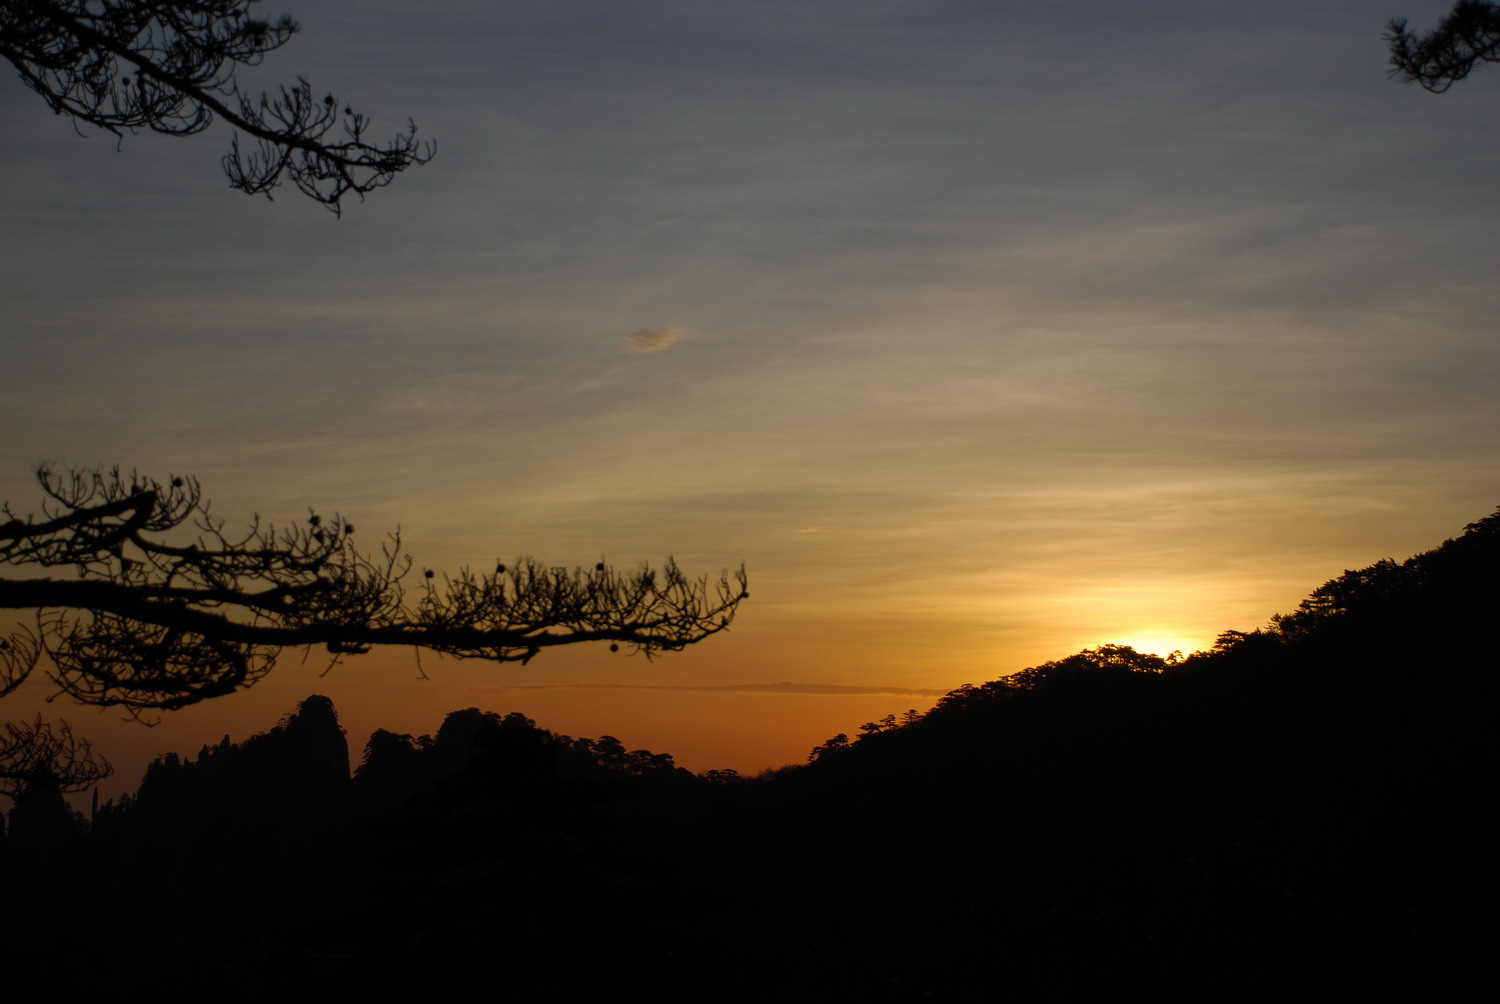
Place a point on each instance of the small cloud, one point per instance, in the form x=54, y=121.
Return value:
x=653, y=339
x=811, y=529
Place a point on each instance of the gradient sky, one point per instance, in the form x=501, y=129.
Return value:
x=980, y=332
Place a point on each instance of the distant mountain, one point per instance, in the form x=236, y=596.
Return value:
x=237, y=795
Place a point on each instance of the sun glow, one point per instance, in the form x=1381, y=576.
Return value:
x=1159, y=642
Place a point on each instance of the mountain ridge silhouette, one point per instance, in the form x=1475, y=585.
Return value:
x=1304, y=805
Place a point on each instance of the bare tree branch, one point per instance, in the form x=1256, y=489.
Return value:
x=169, y=66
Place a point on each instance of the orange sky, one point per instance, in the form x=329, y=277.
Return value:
x=974, y=353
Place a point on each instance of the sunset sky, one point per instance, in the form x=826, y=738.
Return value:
x=980, y=332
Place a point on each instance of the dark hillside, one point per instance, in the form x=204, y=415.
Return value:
x=1304, y=810
x=1315, y=796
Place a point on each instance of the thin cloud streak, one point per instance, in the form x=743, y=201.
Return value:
x=786, y=689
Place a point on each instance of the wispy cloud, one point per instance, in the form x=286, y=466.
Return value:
x=653, y=339
x=827, y=689
x=810, y=529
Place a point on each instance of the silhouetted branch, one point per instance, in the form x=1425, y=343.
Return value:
x=19, y=653
x=151, y=621
x=37, y=754
x=169, y=66
x=1467, y=37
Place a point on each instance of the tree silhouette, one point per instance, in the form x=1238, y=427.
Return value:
x=37, y=756
x=830, y=747
x=164, y=608
x=1467, y=37
x=169, y=66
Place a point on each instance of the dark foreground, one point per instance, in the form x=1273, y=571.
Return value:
x=1304, y=811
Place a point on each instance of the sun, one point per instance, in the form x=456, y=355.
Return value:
x=1159, y=642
